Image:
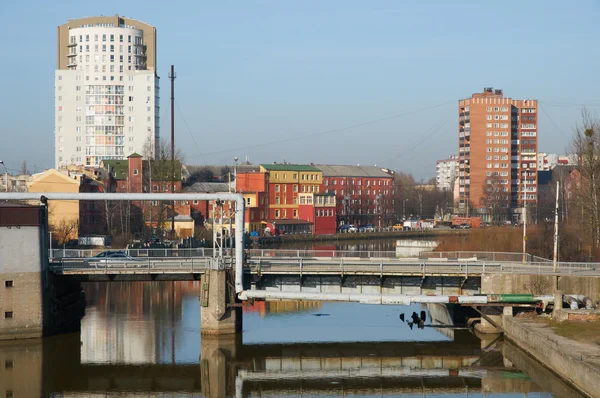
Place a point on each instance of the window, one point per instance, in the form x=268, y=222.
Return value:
x=488, y=149
x=8, y=284
x=488, y=125
x=295, y=213
x=121, y=38
x=135, y=172
x=112, y=37
x=496, y=109
x=488, y=141
x=488, y=117
x=488, y=133
x=8, y=315
x=276, y=187
x=276, y=213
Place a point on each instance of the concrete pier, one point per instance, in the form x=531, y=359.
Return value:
x=218, y=365
x=220, y=313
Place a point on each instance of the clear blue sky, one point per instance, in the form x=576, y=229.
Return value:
x=250, y=73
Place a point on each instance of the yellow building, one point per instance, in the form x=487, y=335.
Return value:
x=63, y=215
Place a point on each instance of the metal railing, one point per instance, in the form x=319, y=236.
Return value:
x=146, y=265
x=467, y=266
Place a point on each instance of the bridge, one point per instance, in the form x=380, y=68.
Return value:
x=229, y=278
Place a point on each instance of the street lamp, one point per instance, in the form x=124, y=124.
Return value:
x=5, y=176
x=235, y=159
x=525, y=217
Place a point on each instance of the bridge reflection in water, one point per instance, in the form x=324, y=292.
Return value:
x=143, y=340
x=52, y=367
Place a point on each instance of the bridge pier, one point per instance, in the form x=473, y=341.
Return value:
x=221, y=311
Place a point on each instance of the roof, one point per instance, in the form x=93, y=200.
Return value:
x=134, y=155
x=207, y=187
x=217, y=170
x=332, y=170
x=118, y=169
x=289, y=167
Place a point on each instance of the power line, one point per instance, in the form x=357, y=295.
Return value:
x=432, y=131
x=552, y=121
x=320, y=133
x=190, y=131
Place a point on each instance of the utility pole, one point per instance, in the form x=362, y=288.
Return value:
x=556, y=227
x=172, y=77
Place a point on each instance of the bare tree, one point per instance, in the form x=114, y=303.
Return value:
x=586, y=144
x=496, y=199
x=64, y=230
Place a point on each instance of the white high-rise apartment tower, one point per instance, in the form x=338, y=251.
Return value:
x=106, y=91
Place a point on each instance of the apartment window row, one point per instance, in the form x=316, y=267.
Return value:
x=496, y=117
x=496, y=133
x=73, y=39
x=497, y=173
x=324, y=213
x=497, y=165
x=497, y=109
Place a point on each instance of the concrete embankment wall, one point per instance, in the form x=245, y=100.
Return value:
x=556, y=352
x=541, y=284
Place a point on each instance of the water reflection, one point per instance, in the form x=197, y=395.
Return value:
x=144, y=340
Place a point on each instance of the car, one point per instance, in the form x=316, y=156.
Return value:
x=108, y=257
x=352, y=228
x=398, y=227
x=368, y=228
x=463, y=226
x=344, y=228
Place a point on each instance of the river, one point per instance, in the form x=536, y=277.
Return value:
x=143, y=340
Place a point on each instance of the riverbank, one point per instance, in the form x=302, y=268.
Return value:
x=576, y=362
x=425, y=233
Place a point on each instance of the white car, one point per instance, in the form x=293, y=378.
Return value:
x=352, y=228
x=108, y=257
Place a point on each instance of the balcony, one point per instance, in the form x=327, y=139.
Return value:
x=72, y=54
x=71, y=62
x=72, y=44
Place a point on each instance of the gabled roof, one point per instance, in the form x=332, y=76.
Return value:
x=289, y=167
x=52, y=172
x=333, y=170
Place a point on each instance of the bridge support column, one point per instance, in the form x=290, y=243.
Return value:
x=220, y=312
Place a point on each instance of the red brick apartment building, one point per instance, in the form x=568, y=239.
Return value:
x=497, y=149
x=364, y=194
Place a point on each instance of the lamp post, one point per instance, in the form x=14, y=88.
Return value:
x=404, y=209
x=5, y=176
x=525, y=217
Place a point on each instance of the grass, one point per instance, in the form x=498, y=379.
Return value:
x=582, y=331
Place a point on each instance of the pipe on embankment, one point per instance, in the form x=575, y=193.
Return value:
x=392, y=299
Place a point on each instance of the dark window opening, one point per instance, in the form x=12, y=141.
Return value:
x=8, y=364
x=8, y=314
x=9, y=284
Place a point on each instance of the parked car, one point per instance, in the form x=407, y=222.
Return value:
x=462, y=226
x=369, y=228
x=344, y=228
x=398, y=227
x=352, y=228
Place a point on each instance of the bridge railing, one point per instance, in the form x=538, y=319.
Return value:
x=149, y=264
x=145, y=253
x=484, y=256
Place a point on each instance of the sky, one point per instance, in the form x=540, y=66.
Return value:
x=337, y=81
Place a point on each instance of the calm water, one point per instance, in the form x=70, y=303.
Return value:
x=143, y=340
